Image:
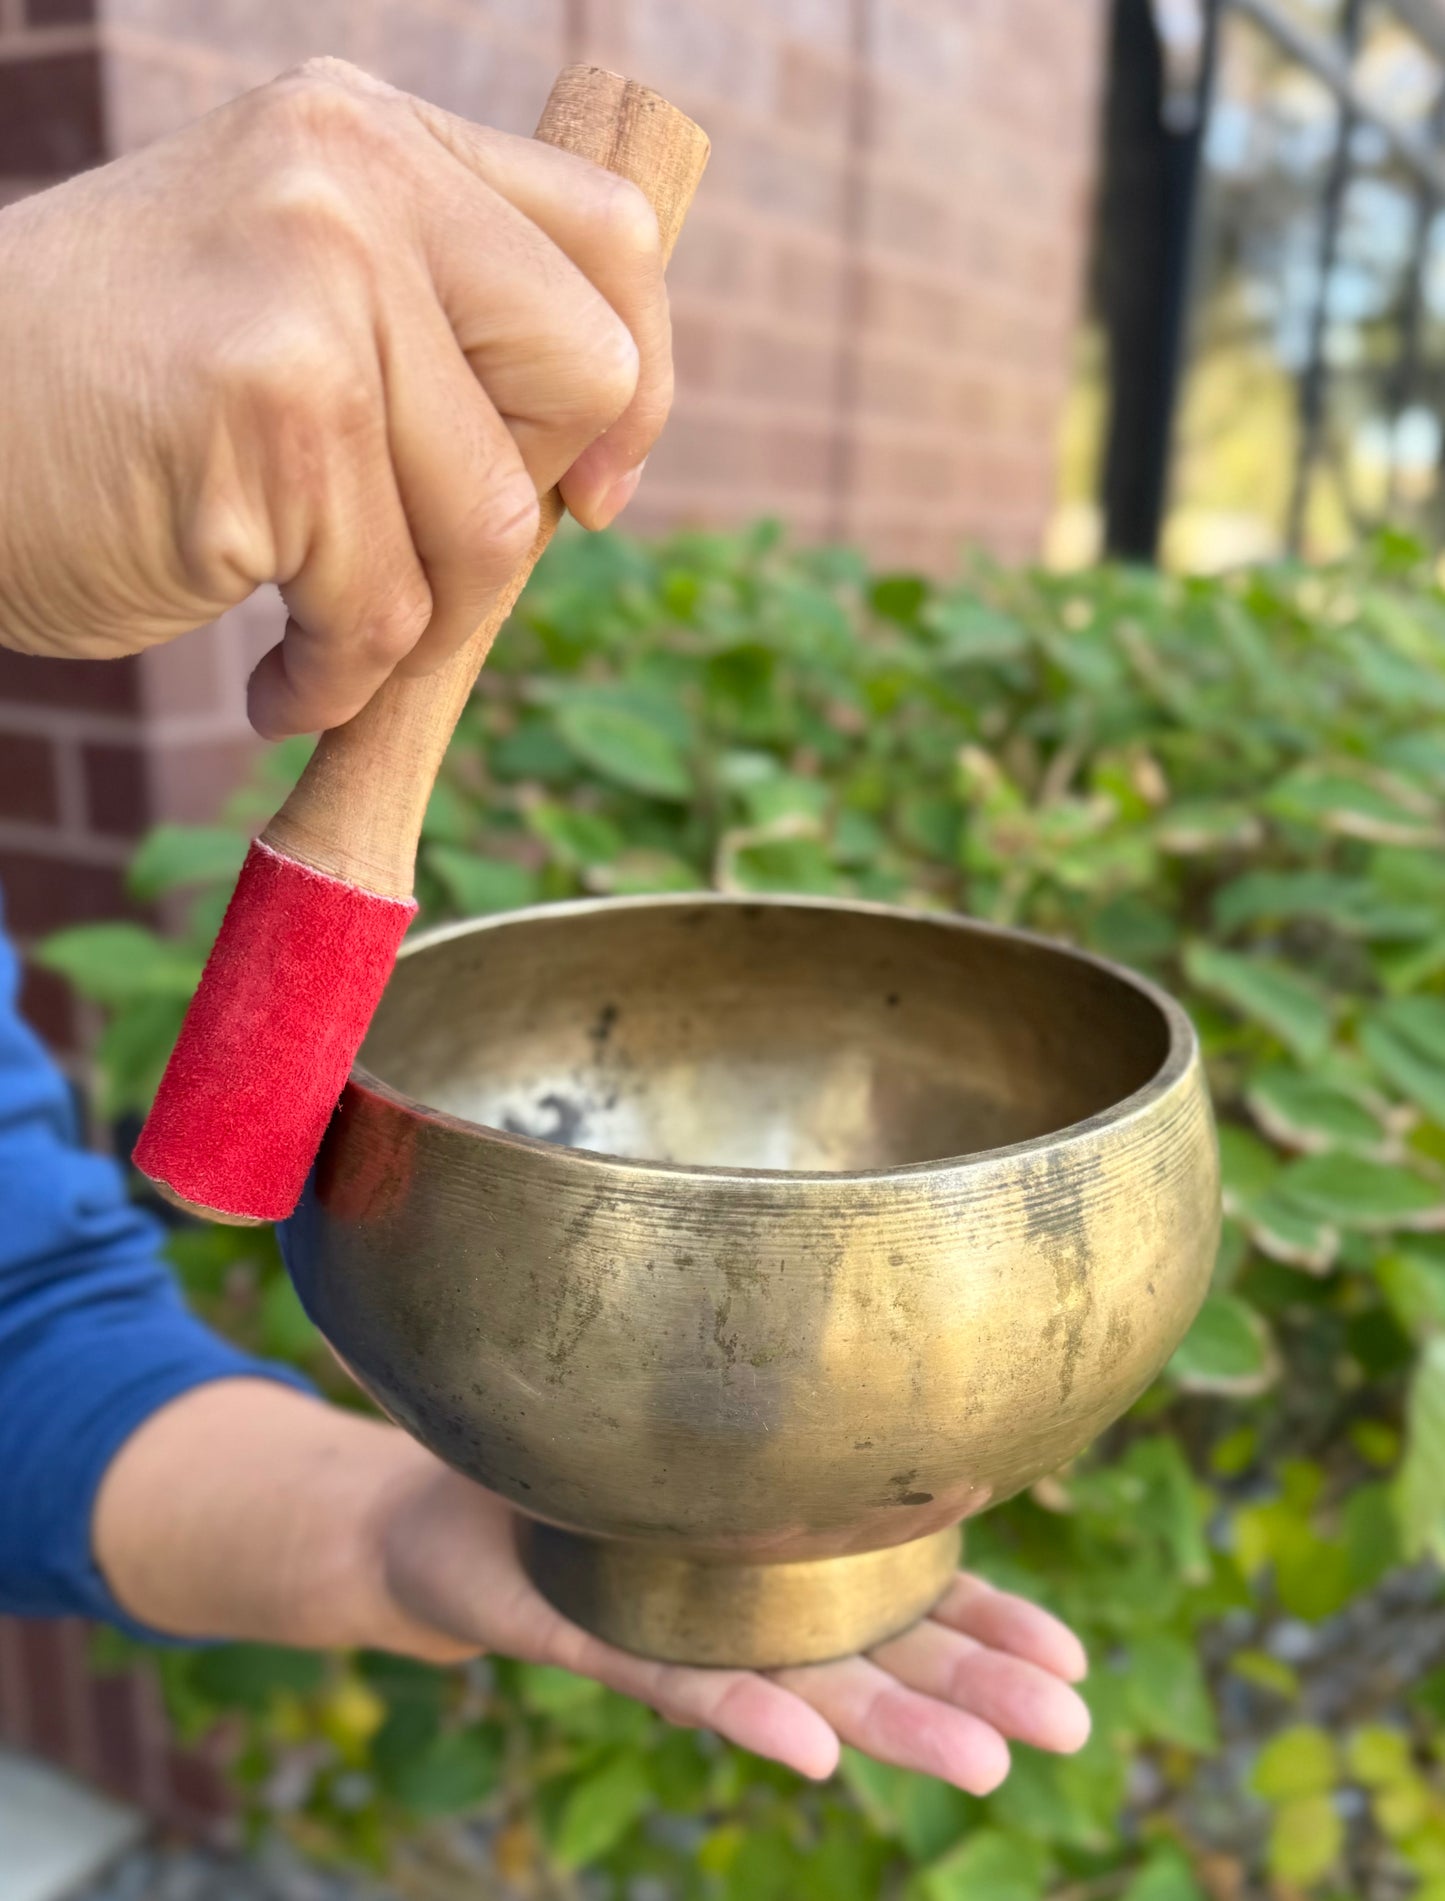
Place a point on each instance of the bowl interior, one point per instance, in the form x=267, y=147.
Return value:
x=761, y=1035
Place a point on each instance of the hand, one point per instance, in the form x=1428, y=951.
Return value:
x=244, y=1509
x=943, y=1698
x=328, y=336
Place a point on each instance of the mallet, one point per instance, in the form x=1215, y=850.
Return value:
x=325, y=895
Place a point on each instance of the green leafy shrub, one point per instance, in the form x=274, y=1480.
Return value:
x=1236, y=785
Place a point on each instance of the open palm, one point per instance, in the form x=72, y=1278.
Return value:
x=944, y=1698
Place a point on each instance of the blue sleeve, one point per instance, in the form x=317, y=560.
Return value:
x=94, y=1335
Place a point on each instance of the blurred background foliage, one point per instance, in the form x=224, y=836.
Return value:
x=1236, y=785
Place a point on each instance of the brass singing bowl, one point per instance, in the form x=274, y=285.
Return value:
x=747, y=1247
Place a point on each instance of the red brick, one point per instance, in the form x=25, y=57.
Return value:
x=59, y=12
x=798, y=457
x=811, y=281
x=151, y=94
x=269, y=34
x=784, y=368
x=108, y=686
x=44, y=1662
x=43, y=893
x=47, y=1004
x=699, y=346
x=51, y=114
x=119, y=1718
x=117, y=793
x=759, y=170
x=183, y=677
x=190, y=783
x=719, y=256
x=678, y=47
x=27, y=779
x=816, y=92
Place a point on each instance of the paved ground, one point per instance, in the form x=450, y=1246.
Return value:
x=55, y=1835
x=163, y=1873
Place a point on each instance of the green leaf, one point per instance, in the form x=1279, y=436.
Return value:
x=1284, y=1232
x=1248, y=1166
x=1166, y=1876
x=454, y=1772
x=1065, y=1802
x=1354, y=808
x=574, y=836
x=450, y=817
x=248, y=1676
x=1188, y=830
x=132, y=1051
x=1357, y=1193
x=626, y=748
x=551, y=1692
x=989, y=1866
x=926, y=1815
x=172, y=857
x=971, y=633
x=898, y=597
x=533, y=750
x=1418, y=1075
x=477, y=885
x=1420, y=1486
x=117, y=963
x=1378, y=1756
x=1412, y=1277
x=1301, y=1761
x=783, y=864
x=640, y=870
x=286, y=1332
x=1276, y=896
x=1168, y=1694
x=1305, y=1840
x=1282, y=1002
x=1227, y=1350
x=599, y=1811
x=1302, y=1112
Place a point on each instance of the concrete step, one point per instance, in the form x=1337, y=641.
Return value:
x=55, y=1835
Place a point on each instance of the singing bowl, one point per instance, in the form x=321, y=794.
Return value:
x=747, y=1247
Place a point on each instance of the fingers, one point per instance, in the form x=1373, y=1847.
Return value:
x=1005, y=1622
x=746, y=1709
x=1018, y=1699
x=890, y=1721
x=556, y=360
x=469, y=499
x=358, y=602
x=606, y=228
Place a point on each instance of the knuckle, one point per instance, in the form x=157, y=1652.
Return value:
x=394, y=628
x=305, y=202
x=325, y=96
x=609, y=369
x=503, y=523
x=628, y=222
x=282, y=368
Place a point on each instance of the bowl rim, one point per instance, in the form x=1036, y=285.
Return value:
x=1181, y=1056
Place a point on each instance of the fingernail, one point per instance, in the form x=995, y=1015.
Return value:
x=616, y=498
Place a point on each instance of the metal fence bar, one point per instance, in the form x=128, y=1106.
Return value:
x=1333, y=68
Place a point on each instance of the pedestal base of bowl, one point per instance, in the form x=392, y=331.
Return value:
x=739, y=1616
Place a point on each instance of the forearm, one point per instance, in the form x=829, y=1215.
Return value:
x=246, y=1510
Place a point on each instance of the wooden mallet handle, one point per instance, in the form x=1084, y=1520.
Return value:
x=356, y=812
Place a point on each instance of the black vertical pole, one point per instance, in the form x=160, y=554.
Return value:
x=1315, y=376
x=1146, y=228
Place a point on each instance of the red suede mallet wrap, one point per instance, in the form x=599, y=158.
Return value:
x=285, y=999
